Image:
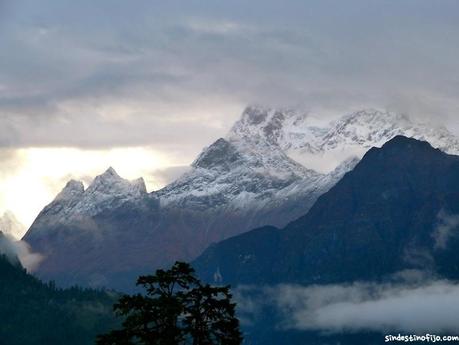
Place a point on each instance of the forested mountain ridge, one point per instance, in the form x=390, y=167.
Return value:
x=34, y=313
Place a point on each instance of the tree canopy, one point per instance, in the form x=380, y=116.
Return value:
x=176, y=309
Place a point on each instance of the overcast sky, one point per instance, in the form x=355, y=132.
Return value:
x=94, y=81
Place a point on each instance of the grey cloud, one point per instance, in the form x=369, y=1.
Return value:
x=412, y=308
x=10, y=161
x=165, y=176
x=75, y=65
x=418, y=256
x=447, y=227
x=19, y=250
x=11, y=226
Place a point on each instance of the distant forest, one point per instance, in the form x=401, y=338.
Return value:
x=32, y=312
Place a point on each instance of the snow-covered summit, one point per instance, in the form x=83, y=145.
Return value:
x=228, y=173
x=240, y=166
x=325, y=147
x=221, y=154
x=236, y=171
x=268, y=150
x=274, y=126
x=369, y=128
x=106, y=191
x=72, y=190
x=110, y=184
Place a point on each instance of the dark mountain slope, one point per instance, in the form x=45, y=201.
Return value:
x=35, y=313
x=394, y=211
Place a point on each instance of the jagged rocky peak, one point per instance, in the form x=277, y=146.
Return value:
x=110, y=175
x=220, y=154
x=254, y=115
x=375, y=116
x=259, y=115
x=106, y=190
x=367, y=128
x=73, y=189
x=110, y=172
x=111, y=183
x=263, y=123
x=323, y=146
x=291, y=128
x=139, y=184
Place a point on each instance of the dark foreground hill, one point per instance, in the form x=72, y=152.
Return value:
x=33, y=313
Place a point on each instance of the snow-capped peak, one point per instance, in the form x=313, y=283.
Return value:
x=107, y=190
x=106, y=179
x=323, y=148
x=73, y=189
x=221, y=154
x=265, y=124
x=139, y=185
x=366, y=128
x=110, y=183
x=10, y=225
x=243, y=168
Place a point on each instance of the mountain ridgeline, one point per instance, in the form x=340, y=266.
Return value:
x=269, y=170
x=396, y=211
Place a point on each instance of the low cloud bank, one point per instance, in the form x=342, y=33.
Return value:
x=20, y=251
x=447, y=227
x=431, y=306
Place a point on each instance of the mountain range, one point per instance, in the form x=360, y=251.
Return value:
x=269, y=170
x=393, y=221
x=397, y=210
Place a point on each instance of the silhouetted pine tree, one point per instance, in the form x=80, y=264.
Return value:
x=176, y=309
